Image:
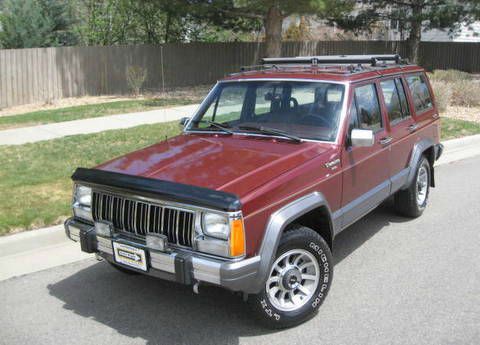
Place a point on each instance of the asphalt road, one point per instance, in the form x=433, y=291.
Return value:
x=397, y=281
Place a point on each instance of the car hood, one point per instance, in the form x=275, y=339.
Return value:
x=236, y=164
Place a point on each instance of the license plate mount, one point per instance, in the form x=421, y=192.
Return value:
x=130, y=256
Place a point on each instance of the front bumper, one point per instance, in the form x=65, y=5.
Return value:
x=182, y=266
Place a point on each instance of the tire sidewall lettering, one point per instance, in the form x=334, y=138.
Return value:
x=324, y=283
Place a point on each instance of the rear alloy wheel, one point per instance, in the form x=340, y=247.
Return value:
x=298, y=280
x=412, y=201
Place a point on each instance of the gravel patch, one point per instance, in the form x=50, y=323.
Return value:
x=462, y=113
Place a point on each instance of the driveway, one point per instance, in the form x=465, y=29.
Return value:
x=397, y=281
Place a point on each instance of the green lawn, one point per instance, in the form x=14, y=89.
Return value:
x=35, y=186
x=35, y=180
x=87, y=111
x=452, y=128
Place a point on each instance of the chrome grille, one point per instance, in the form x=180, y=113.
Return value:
x=140, y=217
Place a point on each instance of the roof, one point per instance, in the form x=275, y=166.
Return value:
x=343, y=68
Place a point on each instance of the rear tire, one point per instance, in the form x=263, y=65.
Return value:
x=412, y=201
x=298, y=281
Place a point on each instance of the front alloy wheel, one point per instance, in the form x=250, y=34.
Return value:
x=299, y=279
x=293, y=279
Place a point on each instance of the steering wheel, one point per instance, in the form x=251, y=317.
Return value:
x=315, y=120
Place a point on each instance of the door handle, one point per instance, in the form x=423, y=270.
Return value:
x=385, y=141
x=435, y=116
x=413, y=128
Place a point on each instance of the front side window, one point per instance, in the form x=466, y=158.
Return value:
x=420, y=93
x=308, y=110
x=368, y=108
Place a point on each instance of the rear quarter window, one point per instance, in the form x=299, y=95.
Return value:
x=422, y=100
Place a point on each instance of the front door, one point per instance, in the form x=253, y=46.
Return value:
x=366, y=169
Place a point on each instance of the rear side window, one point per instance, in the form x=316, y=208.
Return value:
x=419, y=89
x=395, y=100
x=368, y=109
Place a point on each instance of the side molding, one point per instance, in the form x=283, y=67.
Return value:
x=276, y=225
x=417, y=151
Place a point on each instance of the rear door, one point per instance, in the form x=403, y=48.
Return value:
x=402, y=128
x=366, y=169
x=426, y=113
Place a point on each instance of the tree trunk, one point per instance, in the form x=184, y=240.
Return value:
x=415, y=34
x=167, y=28
x=273, y=31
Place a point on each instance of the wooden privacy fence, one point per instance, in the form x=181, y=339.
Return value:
x=43, y=74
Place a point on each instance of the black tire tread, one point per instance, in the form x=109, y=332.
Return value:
x=406, y=200
x=292, y=233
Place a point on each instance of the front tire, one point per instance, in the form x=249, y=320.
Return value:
x=412, y=201
x=298, y=281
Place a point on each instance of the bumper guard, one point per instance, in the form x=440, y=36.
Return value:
x=181, y=266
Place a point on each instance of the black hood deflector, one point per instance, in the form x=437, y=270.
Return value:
x=158, y=189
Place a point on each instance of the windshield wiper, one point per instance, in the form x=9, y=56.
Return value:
x=272, y=131
x=218, y=125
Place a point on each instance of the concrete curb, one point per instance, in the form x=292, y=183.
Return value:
x=461, y=148
x=36, y=250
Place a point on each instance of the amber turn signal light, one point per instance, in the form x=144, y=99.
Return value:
x=237, y=238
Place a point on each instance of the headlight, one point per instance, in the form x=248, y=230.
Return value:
x=222, y=234
x=82, y=202
x=216, y=225
x=83, y=196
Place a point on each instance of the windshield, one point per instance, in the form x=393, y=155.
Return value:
x=308, y=110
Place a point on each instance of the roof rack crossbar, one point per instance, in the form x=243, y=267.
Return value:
x=334, y=59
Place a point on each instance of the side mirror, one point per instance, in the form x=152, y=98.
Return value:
x=362, y=137
x=183, y=122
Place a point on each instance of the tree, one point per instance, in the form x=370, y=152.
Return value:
x=413, y=17
x=271, y=13
x=300, y=32
x=36, y=23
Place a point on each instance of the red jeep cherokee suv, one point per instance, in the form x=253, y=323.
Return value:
x=275, y=163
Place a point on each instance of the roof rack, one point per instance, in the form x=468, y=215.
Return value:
x=373, y=60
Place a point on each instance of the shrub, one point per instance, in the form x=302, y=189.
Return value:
x=443, y=94
x=465, y=93
x=136, y=76
x=449, y=75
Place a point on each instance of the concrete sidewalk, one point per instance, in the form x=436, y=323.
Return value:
x=19, y=136
x=36, y=250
